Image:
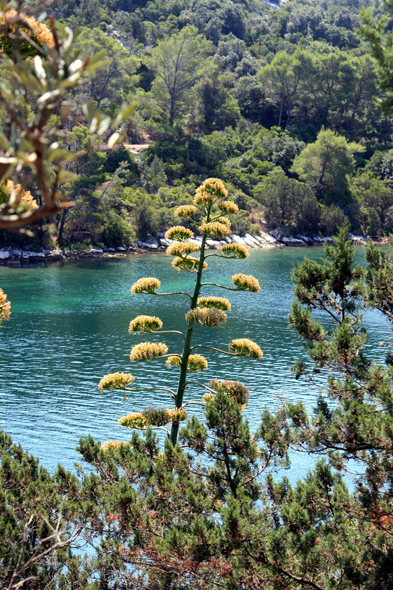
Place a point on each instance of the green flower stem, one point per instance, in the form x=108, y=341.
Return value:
x=187, y=342
x=200, y=385
x=217, y=350
x=160, y=428
x=222, y=286
x=221, y=256
x=152, y=389
x=167, y=332
x=174, y=293
x=193, y=404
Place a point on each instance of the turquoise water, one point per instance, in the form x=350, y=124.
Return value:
x=69, y=327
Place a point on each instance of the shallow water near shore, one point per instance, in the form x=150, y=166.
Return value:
x=69, y=327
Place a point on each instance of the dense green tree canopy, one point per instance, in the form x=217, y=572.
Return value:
x=214, y=83
x=326, y=165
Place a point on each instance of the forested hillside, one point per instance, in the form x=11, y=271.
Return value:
x=280, y=102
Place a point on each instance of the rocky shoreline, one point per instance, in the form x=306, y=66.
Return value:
x=276, y=239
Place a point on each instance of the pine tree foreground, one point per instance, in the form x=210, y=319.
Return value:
x=214, y=511
x=211, y=514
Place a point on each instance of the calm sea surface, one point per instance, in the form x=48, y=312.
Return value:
x=69, y=327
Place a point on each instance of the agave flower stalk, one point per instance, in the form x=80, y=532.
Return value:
x=211, y=202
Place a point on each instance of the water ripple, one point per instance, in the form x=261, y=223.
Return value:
x=69, y=327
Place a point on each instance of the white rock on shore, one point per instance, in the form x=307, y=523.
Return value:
x=269, y=239
x=293, y=242
x=146, y=245
x=237, y=239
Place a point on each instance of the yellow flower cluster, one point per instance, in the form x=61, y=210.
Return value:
x=216, y=302
x=246, y=347
x=156, y=416
x=38, y=31
x=181, y=248
x=146, y=285
x=235, y=389
x=208, y=317
x=179, y=233
x=144, y=323
x=146, y=351
x=190, y=264
x=112, y=444
x=5, y=307
x=210, y=191
x=196, y=362
x=224, y=221
x=215, y=229
x=149, y=417
x=235, y=251
x=228, y=207
x=178, y=415
x=173, y=361
x=246, y=283
x=203, y=198
x=134, y=420
x=186, y=211
x=115, y=381
x=24, y=200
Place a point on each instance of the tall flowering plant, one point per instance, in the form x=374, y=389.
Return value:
x=211, y=200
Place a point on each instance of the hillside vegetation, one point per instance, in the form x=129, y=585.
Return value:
x=280, y=102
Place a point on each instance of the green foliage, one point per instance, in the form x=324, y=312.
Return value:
x=212, y=80
x=326, y=165
x=216, y=510
x=178, y=63
x=288, y=202
x=38, y=522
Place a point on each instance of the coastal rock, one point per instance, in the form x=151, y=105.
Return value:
x=269, y=239
x=357, y=240
x=252, y=239
x=237, y=239
x=151, y=241
x=293, y=242
x=55, y=255
x=145, y=245
x=193, y=241
x=4, y=254
x=250, y=243
x=121, y=249
x=214, y=244
x=277, y=233
x=318, y=241
x=261, y=241
x=305, y=239
x=165, y=242
x=228, y=240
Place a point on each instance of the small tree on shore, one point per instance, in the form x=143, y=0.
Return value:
x=211, y=202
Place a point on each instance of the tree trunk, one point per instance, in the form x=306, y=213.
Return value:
x=280, y=117
x=172, y=112
x=63, y=218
